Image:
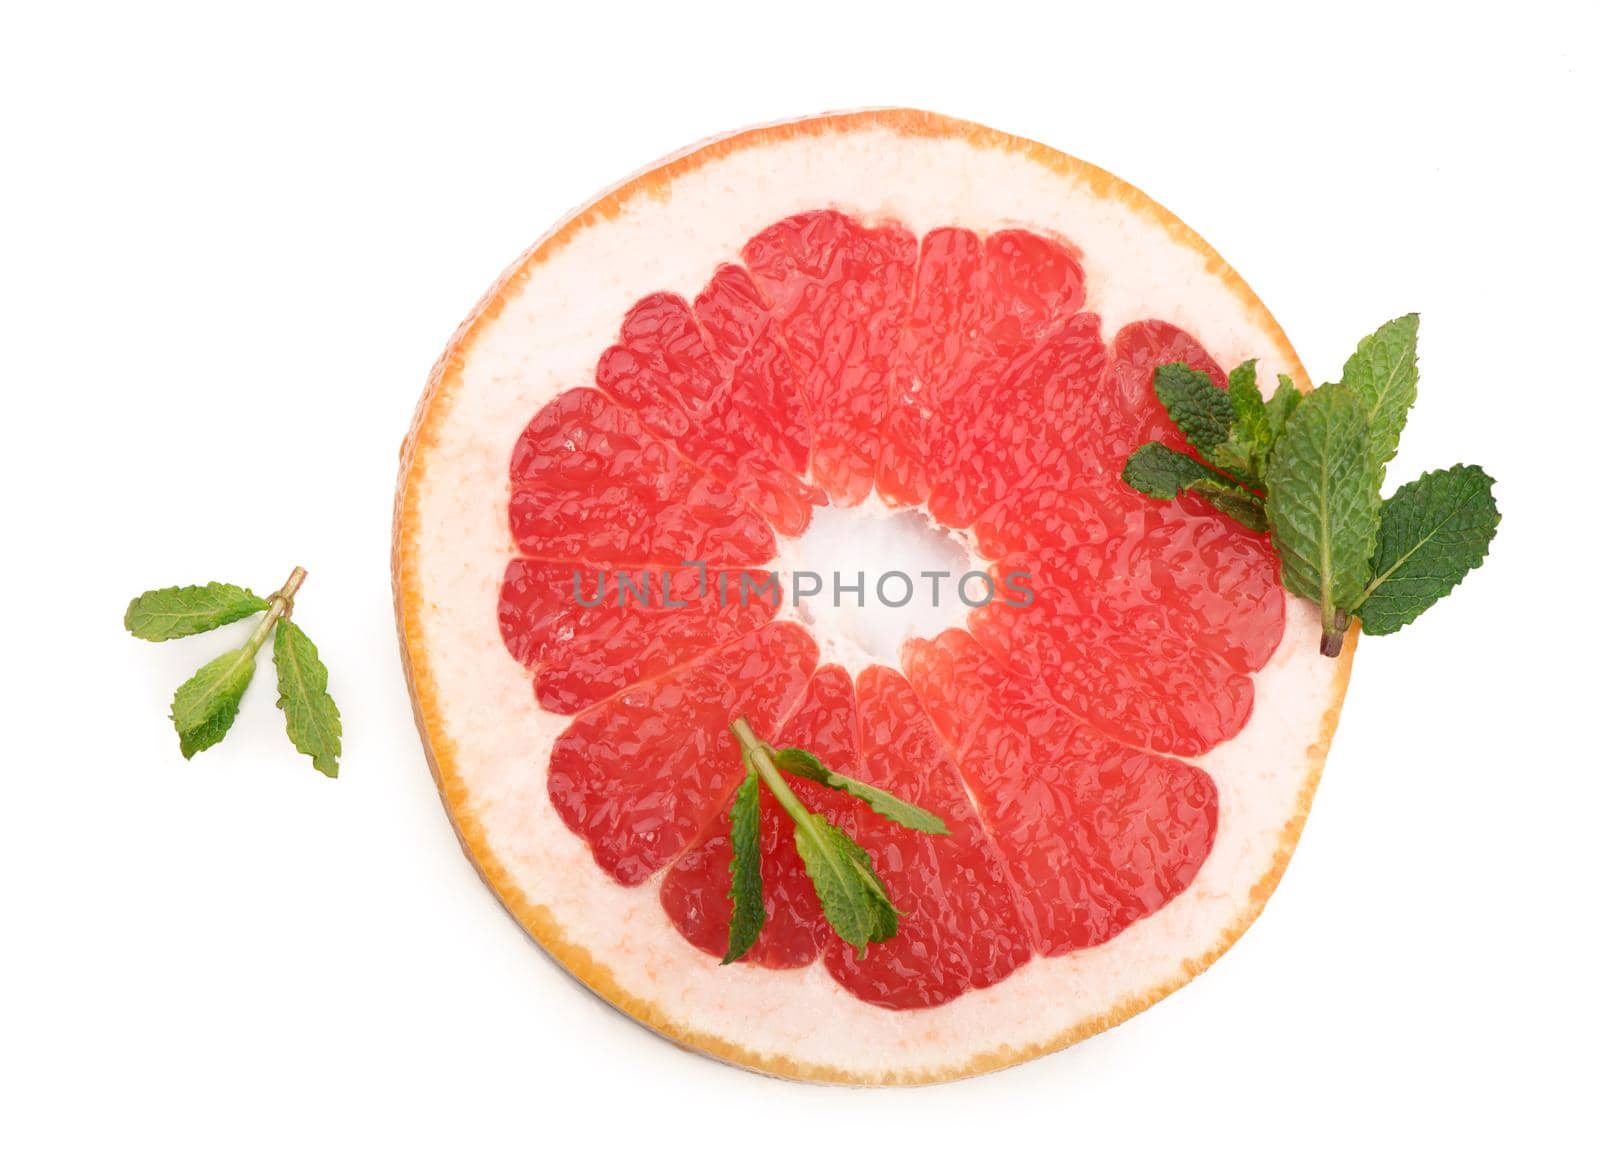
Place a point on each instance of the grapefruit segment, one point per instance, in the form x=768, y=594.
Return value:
x=959, y=929
x=1142, y=685
x=694, y=894
x=589, y=485
x=1095, y=430
x=1146, y=617
x=638, y=776
x=980, y=306
x=1136, y=826
x=587, y=632
x=722, y=393
x=1018, y=427
x=840, y=291
x=660, y=367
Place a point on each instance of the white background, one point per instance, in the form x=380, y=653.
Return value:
x=235, y=242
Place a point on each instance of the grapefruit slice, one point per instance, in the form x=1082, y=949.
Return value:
x=891, y=341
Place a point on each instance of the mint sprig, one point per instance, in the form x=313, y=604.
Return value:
x=204, y=707
x=854, y=900
x=1308, y=468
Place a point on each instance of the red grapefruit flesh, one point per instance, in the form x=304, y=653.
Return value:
x=1099, y=752
x=961, y=930
x=587, y=632
x=1094, y=834
x=590, y=485
x=714, y=382
x=840, y=292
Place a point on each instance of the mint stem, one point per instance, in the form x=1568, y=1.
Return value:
x=761, y=759
x=1333, y=633
x=282, y=605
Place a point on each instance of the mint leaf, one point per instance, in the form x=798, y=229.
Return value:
x=801, y=763
x=1433, y=532
x=163, y=614
x=1244, y=455
x=1249, y=409
x=1322, y=504
x=853, y=898
x=309, y=712
x=749, y=906
x=1203, y=412
x=892, y=808
x=1280, y=406
x=1383, y=373
x=205, y=706
x=1161, y=472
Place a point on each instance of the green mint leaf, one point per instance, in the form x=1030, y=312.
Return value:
x=163, y=614
x=1383, y=373
x=1280, y=406
x=1244, y=461
x=801, y=763
x=309, y=712
x=1249, y=445
x=1203, y=412
x=853, y=898
x=1322, y=503
x=1433, y=532
x=1161, y=472
x=1249, y=408
x=892, y=808
x=749, y=905
x=205, y=706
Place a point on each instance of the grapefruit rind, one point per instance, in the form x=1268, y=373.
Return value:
x=539, y=330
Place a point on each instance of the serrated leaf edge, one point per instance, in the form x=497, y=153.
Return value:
x=744, y=818
x=283, y=636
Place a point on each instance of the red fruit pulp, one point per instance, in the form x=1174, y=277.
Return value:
x=959, y=374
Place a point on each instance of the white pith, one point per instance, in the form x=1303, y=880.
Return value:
x=547, y=338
